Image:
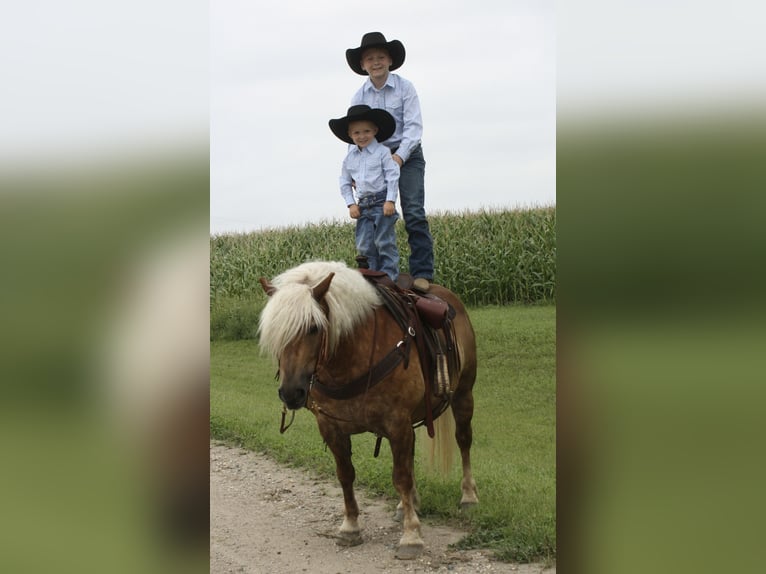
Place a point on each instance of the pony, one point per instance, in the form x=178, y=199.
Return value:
x=327, y=328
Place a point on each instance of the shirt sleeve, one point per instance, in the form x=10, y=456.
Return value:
x=345, y=185
x=391, y=173
x=412, y=130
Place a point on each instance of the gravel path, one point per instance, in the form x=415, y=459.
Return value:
x=270, y=519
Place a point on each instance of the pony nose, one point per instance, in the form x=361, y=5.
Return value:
x=293, y=398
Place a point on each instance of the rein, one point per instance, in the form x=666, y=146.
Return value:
x=282, y=427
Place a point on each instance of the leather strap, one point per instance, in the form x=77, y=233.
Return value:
x=380, y=371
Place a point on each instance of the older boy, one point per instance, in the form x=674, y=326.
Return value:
x=372, y=172
x=376, y=58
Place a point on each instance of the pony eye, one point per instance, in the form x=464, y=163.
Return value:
x=313, y=330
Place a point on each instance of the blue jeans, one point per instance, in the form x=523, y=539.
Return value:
x=412, y=195
x=376, y=235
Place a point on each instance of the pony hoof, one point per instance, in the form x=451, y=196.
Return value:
x=409, y=551
x=467, y=505
x=348, y=539
x=399, y=515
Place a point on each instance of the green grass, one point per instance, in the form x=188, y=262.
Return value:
x=514, y=432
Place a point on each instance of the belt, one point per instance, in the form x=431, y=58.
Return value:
x=373, y=197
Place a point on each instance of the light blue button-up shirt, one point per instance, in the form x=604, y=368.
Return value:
x=373, y=169
x=399, y=98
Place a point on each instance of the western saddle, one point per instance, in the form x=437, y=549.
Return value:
x=427, y=319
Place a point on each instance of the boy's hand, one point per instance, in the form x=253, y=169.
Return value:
x=398, y=160
x=353, y=211
x=389, y=208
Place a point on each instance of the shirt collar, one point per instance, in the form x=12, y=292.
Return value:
x=369, y=149
x=390, y=82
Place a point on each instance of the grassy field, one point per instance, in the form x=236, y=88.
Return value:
x=514, y=432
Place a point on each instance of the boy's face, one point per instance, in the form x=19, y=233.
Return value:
x=376, y=61
x=362, y=132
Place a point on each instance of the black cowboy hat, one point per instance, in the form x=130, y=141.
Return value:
x=375, y=40
x=381, y=118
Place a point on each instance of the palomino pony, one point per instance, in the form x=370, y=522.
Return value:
x=327, y=328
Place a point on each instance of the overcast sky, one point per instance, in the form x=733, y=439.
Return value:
x=486, y=81
x=262, y=80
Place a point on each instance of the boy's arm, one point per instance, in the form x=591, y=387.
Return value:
x=346, y=186
x=391, y=175
x=346, y=183
x=412, y=128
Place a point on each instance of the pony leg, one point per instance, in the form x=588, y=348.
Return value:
x=349, y=533
x=399, y=514
x=411, y=543
x=462, y=410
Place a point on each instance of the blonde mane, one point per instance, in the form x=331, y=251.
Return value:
x=292, y=310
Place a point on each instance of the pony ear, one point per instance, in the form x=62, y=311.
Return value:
x=320, y=290
x=268, y=287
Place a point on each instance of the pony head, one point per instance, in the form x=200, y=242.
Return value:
x=310, y=309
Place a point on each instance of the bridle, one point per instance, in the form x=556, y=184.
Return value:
x=322, y=354
x=360, y=385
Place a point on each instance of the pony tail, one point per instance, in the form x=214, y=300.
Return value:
x=439, y=452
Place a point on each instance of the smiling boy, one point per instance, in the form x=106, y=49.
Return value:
x=369, y=184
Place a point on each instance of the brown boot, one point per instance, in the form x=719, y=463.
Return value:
x=421, y=284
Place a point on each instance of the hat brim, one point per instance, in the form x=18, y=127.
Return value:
x=384, y=121
x=395, y=49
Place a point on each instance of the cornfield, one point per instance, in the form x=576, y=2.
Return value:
x=486, y=257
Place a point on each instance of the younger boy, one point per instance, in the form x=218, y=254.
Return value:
x=371, y=171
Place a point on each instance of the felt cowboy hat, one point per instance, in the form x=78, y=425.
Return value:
x=375, y=40
x=381, y=118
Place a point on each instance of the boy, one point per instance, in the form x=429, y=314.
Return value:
x=376, y=58
x=371, y=171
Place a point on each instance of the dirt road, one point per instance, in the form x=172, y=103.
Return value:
x=269, y=519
